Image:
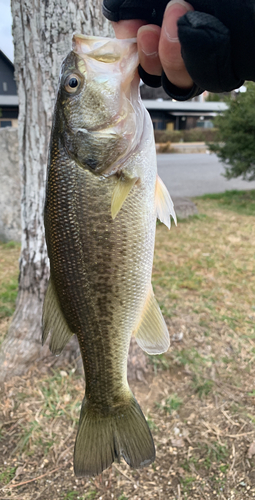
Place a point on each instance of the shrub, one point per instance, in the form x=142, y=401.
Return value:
x=193, y=135
x=236, y=132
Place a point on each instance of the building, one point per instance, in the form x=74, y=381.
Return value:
x=9, y=108
x=167, y=114
x=179, y=115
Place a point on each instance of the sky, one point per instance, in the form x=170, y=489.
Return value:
x=6, y=44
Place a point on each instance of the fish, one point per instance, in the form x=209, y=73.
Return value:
x=103, y=197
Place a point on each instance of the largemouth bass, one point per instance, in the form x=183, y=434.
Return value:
x=102, y=200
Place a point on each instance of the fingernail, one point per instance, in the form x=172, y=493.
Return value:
x=147, y=41
x=174, y=10
x=148, y=49
x=149, y=54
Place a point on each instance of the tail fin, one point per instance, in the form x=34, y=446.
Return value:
x=101, y=439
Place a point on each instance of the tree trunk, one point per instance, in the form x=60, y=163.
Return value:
x=42, y=32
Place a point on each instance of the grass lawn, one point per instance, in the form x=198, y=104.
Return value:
x=198, y=397
x=9, y=255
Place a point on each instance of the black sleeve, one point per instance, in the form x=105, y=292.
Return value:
x=217, y=40
x=175, y=92
x=151, y=11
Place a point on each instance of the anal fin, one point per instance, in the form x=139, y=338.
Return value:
x=54, y=322
x=120, y=193
x=164, y=204
x=152, y=333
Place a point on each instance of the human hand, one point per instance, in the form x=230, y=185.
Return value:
x=159, y=48
x=217, y=40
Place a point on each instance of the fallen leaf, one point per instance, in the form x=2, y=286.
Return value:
x=19, y=471
x=251, y=450
x=177, y=443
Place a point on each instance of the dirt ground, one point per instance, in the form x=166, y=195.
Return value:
x=198, y=398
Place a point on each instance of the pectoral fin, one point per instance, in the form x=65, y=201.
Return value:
x=54, y=322
x=120, y=193
x=152, y=333
x=164, y=204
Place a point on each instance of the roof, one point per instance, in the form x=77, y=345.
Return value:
x=2, y=54
x=186, y=106
x=9, y=100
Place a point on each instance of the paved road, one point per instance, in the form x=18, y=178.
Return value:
x=196, y=174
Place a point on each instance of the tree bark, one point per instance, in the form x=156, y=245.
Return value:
x=42, y=32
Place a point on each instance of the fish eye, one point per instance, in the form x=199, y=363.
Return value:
x=72, y=83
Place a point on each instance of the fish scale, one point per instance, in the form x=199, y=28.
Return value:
x=100, y=220
x=117, y=257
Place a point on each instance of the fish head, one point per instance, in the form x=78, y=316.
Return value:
x=96, y=111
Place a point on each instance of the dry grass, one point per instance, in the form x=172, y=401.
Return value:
x=198, y=398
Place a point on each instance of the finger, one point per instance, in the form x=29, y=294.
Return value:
x=127, y=29
x=169, y=45
x=147, y=41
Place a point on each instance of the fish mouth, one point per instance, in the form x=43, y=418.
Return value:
x=118, y=125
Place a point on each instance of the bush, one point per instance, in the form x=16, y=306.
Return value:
x=168, y=136
x=193, y=135
x=200, y=134
x=235, y=144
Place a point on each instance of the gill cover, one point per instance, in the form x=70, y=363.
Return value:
x=100, y=120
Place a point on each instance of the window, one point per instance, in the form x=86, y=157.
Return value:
x=5, y=86
x=5, y=123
